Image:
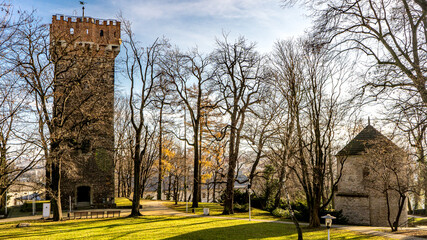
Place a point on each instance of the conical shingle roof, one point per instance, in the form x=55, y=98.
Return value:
x=362, y=141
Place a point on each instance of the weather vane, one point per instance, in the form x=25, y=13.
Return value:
x=83, y=8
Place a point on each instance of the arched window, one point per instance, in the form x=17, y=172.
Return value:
x=71, y=30
x=101, y=33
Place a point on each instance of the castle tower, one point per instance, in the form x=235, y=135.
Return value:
x=359, y=192
x=83, y=50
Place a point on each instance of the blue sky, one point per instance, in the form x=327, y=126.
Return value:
x=189, y=23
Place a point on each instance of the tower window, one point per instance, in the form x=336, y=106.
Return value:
x=87, y=31
x=71, y=30
x=101, y=33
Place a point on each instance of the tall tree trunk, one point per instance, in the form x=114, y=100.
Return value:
x=56, y=190
x=196, y=169
x=294, y=219
x=169, y=186
x=207, y=191
x=136, y=175
x=279, y=191
x=314, y=220
x=214, y=189
x=200, y=182
x=232, y=162
x=200, y=163
x=159, y=182
x=176, y=189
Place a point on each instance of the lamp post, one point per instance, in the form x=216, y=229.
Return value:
x=328, y=222
x=249, y=196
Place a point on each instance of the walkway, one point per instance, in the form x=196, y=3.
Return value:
x=157, y=208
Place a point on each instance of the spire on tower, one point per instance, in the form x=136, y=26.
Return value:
x=83, y=8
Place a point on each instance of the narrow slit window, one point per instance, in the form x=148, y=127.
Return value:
x=101, y=33
x=87, y=31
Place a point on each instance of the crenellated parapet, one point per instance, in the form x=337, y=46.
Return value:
x=104, y=34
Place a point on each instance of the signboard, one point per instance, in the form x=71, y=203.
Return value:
x=46, y=210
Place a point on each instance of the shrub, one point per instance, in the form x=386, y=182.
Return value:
x=240, y=197
x=279, y=212
x=302, y=213
x=241, y=208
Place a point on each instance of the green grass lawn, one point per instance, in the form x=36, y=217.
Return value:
x=420, y=222
x=123, y=202
x=216, y=209
x=162, y=227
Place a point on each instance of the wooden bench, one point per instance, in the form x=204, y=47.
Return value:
x=96, y=213
x=113, y=213
x=80, y=214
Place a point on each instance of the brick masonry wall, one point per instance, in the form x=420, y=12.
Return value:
x=84, y=103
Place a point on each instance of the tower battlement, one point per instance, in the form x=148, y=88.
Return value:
x=104, y=33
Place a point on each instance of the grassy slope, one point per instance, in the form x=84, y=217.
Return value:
x=161, y=227
x=216, y=209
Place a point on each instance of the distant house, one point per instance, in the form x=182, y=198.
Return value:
x=20, y=192
x=359, y=202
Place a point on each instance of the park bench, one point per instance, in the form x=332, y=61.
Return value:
x=113, y=212
x=96, y=213
x=80, y=214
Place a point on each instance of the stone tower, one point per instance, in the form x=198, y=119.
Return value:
x=83, y=50
x=355, y=196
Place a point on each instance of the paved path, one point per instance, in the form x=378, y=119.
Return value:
x=157, y=208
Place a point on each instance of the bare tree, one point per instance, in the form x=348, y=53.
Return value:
x=13, y=100
x=122, y=154
x=143, y=71
x=391, y=34
x=238, y=80
x=388, y=173
x=314, y=102
x=183, y=69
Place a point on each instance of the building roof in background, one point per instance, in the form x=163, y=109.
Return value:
x=362, y=141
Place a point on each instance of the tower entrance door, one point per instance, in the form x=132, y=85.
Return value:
x=83, y=195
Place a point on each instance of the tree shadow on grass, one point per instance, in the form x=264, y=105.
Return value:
x=262, y=230
x=241, y=231
x=42, y=229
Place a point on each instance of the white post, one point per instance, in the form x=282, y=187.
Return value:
x=249, y=206
x=34, y=206
x=249, y=195
x=329, y=236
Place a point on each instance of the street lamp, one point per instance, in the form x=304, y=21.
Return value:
x=328, y=222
